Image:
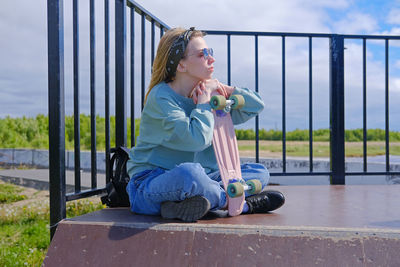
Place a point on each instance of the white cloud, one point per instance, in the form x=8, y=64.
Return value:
x=375, y=86
x=394, y=16
x=356, y=23
x=23, y=79
x=395, y=85
x=392, y=31
x=23, y=58
x=256, y=15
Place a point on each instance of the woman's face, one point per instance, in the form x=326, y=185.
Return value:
x=196, y=65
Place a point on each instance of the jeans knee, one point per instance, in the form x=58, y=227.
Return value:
x=256, y=171
x=254, y=166
x=195, y=179
x=190, y=171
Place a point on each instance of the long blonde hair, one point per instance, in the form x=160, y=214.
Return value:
x=160, y=62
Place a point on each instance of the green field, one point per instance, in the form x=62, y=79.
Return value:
x=320, y=149
x=24, y=223
x=32, y=132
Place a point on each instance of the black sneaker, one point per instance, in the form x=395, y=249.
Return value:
x=265, y=201
x=188, y=210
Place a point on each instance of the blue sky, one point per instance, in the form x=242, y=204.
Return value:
x=23, y=54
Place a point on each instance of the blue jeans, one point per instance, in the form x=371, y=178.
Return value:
x=148, y=189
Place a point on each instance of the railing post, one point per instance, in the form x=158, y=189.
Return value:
x=55, y=32
x=336, y=109
x=120, y=73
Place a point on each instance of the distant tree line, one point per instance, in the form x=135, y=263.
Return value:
x=28, y=132
x=354, y=135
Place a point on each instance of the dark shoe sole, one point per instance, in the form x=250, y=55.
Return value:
x=188, y=210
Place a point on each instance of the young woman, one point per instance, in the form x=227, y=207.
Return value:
x=173, y=168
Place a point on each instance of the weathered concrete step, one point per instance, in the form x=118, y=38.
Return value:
x=318, y=225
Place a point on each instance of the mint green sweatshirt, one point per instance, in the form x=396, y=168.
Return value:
x=174, y=130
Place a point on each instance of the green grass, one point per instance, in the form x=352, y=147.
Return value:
x=24, y=243
x=24, y=228
x=9, y=194
x=320, y=149
x=297, y=149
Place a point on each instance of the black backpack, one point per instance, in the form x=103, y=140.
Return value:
x=119, y=179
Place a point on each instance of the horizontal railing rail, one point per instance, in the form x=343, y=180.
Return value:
x=300, y=34
x=150, y=17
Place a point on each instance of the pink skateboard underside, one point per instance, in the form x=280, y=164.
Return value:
x=227, y=154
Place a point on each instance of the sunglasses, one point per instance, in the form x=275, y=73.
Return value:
x=207, y=52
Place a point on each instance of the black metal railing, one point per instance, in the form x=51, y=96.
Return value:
x=336, y=103
x=58, y=196
x=337, y=107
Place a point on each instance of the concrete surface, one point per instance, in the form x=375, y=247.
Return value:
x=318, y=225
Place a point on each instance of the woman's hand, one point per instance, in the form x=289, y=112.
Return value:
x=204, y=89
x=227, y=90
x=200, y=93
x=221, y=88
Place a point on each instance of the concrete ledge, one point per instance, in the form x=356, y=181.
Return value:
x=212, y=245
x=318, y=225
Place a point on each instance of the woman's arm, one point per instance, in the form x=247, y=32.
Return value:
x=253, y=102
x=252, y=107
x=168, y=124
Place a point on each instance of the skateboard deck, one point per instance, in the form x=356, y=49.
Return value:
x=227, y=155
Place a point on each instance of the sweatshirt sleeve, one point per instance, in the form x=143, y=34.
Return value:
x=171, y=127
x=253, y=106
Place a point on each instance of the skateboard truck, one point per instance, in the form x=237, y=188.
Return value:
x=237, y=187
x=219, y=102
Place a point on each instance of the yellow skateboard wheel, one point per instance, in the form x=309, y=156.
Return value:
x=255, y=185
x=238, y=101
x=235, y=189
x=218, y=102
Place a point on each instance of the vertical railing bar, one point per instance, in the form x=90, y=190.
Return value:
x=336, y=109
x=365, y=133
x=143, y=51
x=67, y=163
x=310, y=103
x=152, y=44
x=283, y=106
x=120, y=73
x=387, y=103
x=107, y=85
x=93, y=96
x=77, y=144
x=56, y=105
x=132, y=77
x=256, y=85
x=161, y=31
x=229, y=58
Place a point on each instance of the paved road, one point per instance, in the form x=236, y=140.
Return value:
x=39, y=178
